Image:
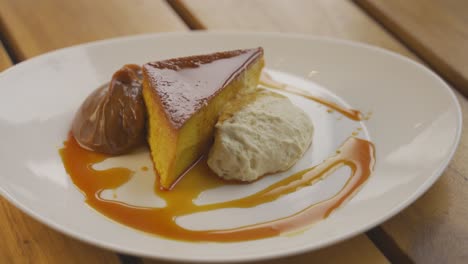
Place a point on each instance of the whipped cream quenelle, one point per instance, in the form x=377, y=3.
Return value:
x=258, y=134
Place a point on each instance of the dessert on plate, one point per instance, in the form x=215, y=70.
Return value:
x=204, y=116
x=184, y=97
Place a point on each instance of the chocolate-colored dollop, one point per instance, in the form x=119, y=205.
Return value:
x=112, y=119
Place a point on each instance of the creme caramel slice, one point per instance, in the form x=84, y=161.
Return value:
x=184, y=97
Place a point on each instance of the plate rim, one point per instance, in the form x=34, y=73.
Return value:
x=279, y=253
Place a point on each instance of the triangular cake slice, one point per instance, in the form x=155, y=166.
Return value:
x=184, y=97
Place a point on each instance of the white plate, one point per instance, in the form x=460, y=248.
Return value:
x=415, y=125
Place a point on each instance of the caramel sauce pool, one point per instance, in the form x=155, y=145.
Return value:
x=356, y=153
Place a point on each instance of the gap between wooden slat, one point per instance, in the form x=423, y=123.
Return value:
x=5, y=40
x=127, y=259
x=387, y=246
x=184, y=13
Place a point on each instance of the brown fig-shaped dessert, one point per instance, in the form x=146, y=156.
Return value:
x=112, y=119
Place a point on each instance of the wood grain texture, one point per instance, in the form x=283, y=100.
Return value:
x=34, y=27
x=24, y=240
x=433, y=229
x=434, y=29
x=356, y=250
x=333, y=18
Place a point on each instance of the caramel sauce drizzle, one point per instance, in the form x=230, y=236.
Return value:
x=356, y=153
x=267, y=81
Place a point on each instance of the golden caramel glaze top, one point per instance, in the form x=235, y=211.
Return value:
x=184, y=85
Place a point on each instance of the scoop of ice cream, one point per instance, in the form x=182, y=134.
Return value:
x=258, y=134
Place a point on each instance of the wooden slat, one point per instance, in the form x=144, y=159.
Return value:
x=436, y=30
x=334, y=18
x=34, y=27
x=433, y=229
x=356, y=250
x=24, y=240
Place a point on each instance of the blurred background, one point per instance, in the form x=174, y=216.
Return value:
x=432, y=32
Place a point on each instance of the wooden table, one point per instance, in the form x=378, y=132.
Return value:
x=432, y=230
